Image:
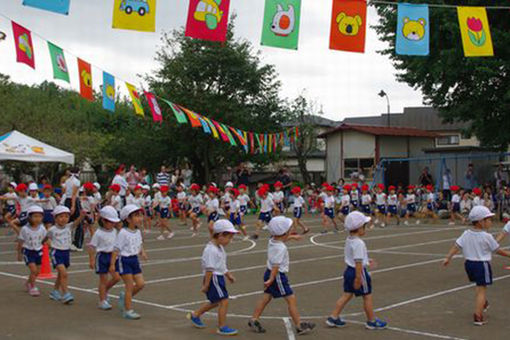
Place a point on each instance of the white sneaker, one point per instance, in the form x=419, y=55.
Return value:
x=160, y=238
x=170, y=235
x=73, y=248
x=451, y=223
x=406, y=222
x=417, y=221
x=246, y=238
x=194, y=234
x=34, y=291
x=376, y=221
x=383, y=225
x=104, y=305
x=264, y=227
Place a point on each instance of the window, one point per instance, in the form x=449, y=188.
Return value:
x=448, y=140
x=357, y=166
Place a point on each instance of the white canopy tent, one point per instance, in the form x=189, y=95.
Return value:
x=16, y=146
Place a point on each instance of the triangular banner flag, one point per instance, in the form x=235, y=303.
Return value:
x=58, y=62
x=178, y=113
x=193, y=119
x=205, y=126
x=23, y=45
x=213, y=128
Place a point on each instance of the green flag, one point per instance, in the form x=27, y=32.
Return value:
x=281, y=23
x=179, y=114
x=230, y=137
x=58, y=60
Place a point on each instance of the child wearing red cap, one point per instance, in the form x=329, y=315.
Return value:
x=477, y=197
x=366, y=200
x=392, y=205
x=113, y=198
x=278, y=197
x=235, y=212
x=183, y=202
x=410, y=201
x=455, y=206
x=430, y=209
x=344, y=204
x=266, y=207
x=164, y=204
x=328, y=210
x=299, y=206
x=24, y=201
x=196, y=202
x=380, y=202
x=354, y=194
x=212, y=207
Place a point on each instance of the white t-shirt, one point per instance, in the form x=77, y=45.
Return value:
x=299, y=201
x=477, y=245
x=212, y=205
x=226, y=199
x=61, y=237
x=118, y=179
x=138, y=201
x=103, y=240
x=477, y=201
x=329, y=202
x=32, y=237
x=380, y=199
x=163, y=202
x=129, y=242
x=181, y=196
x=278, y=196
x=69, y=184
x=392, y=199
x=196, y=201
x=87, y=203
x=346, y=200
x=506, y=228
x=354, y=195
x=431, y=198
x=244, y=199
x=235, y=206
x=266, y=205
x=277, y=255
x=49, y=203
x=214, y=259
x=11, y=198
x=147, y=201
x=355, y=251
x=455, y=198
x=410, y=199
x=97, y=197
x=366, y=199
x=323, y=196
x=116, y=202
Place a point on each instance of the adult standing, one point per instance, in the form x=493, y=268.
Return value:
x=500, y=176
x=145, y=177
x=286, y=179
x=447, y=183
x=425, y=177
x=470, y=178
x=132, y=177
x=226, y=177
x=187, y=175
x=120, y=179
x=71, y=189
x=163, y=178
x=243, y=175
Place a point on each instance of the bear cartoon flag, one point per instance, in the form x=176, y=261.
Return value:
x=474, y=29
x=57, y=6
x=138, y=15
x=208, y=19
x=281, y=23
x=108, y=92
x=23, y=44
x=85, y=75
x=413, y=29
x=58, y=61
x=135, y=98
x=348, y=25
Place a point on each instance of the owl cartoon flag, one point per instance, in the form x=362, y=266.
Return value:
x=208, y=19
x=108, y=92
x=281, y=23
x=475, y=32
x=85, y=75
x=58, y=61
x=348, y=25
x=413, y=31
x=23, y=45
x=138, y=15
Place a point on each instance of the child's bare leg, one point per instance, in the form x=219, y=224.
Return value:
x=129, y=286
x=481, y=298
x=34, y=271
x=222, y=313
x=293, y=311
x=261, y=305
x=368, y=306
x=139, y=283
x=103, y=282
x=56, y=286
x=113, y=281
x=62, y=278
x=340, y=304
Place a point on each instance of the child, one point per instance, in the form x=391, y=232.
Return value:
x=196, y=201
x=10, y=199
x=212, y=208
x=380, y=202
x=226, y=199
x=244, y=200
x=128, y=245
x=431, y=203
x=366, y=200
x=410, y=202
x=477, y=198
x=393, y=203
x=97, y=195
x=147, y=206
x=100, y=254
x=328, y=210
x=276, y=284
x=466, y=204
x=88, y=205
x=113, y=198
x=24, y=202
x=455, y=206
x=344, y=205
x=155, y=197
x=357, y=281
x=136, y=198
x=163, y=204
x=30, y=243
x=183, y=201
x=278, y=197
x=298, y=204
x=354, y=194
x=214, y=268
x=477, y=246
x=266, y=206
x=60, y=237
x=235, y=212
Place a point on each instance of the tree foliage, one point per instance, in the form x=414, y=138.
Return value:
x=474, y=90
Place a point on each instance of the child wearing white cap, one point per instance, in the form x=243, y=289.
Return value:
x=128, y=245
x=276, y=283
x=214, y=267
x=100, y=251
x=477, y=246
x=60, y=239
x=357, y=280
x=10, y=199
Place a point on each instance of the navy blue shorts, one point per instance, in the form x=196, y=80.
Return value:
x=392, y=209
x=345, y=211
x=479, y=272
x=430, y=206
x=382, y=209
x=196, y=211
x=128, y=265
x=298, y=212
x=11, y=209
x=411, y=208
x=48, y=217
x=366, y=282
x=235, y=220
x=329, y=212
x=182, y=206
x=164, y=213
x=354, y=204
x=280, y=287
x=456, y=207
x=60, y=257
x=213, y=217
x=217, y=289
x=243, y=209
x=366, y=209
x=280, y=206
x=23, y=218
x=32, y=256
x=148, y=212
x=265, y=217
x=103, y=261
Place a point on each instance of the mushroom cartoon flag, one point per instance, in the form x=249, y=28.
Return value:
x=281, y=23
x=208, y=19
x=85, y=75
x=23, y=44
x=138, y=15
x=348, y=25
x=474, y=29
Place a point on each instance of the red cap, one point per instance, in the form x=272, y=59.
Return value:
x=380, y=186
x=296, y=190
x=278, y=184
x=347, y=187
x=477, y=191
x=262, y=191
x=266, y=186
x=213, y=189
x=391, y=187
x=242, y=186
x=115, y=187
x=195, y=186
x=47, y=187
x=364, y=187
x=89, y=186
x=22, y=187
x=235, y=192
x=164, y=188
x=429, y=187
x=354, y=185
x=455, y=188
x=330, y=188
x=325, y=184
x=411, y=187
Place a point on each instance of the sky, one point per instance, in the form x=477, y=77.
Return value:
x=344, y=84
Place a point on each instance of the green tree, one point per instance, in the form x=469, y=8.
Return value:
x=474, y=90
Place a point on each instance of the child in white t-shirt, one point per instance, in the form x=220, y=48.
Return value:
x=299, y=206
x=455, y=209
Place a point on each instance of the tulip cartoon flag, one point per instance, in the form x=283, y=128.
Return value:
x=474, y=29
x=157, y=115
x=57, y=6
x=135, y=98
x=281, y=23
x=348, y=25
x=58, y=61
x=108, y=92
x=413, y=29
x=23, y=45
x=85, y=75
x=135, y=15
x=208, y=19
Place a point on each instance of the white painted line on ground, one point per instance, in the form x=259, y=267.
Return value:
x=288, y=327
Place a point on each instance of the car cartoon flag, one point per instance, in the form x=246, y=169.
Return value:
x=348, y=25
x=157, y=115
x=57, y=6
x=475, y=32
x=281, y=23
x=58, y=61
x=135, y=98
x=85, y=75
x=208, y=19
x=108, y=92
x=23, y=45
x=138, y=15
x=413, y=31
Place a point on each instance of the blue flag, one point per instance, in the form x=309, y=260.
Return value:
x=205, y=126
x=108, y=92
x=413, y=29
x=57, y=6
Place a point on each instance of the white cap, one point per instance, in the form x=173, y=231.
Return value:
x=97, y=185
x=109, y=213
x=355, y=220
x=146, y=187
x=229, y=185
x=35, y=209
x=128, y=210
x=13, y=184
x=156, y=185
x=61, y=209
x=479, y=213
x=279, y=225
x=33, y=187
x=82, y=189
x=214, y=184
x=224, y=226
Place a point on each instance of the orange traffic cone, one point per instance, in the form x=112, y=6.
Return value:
x=45, y=265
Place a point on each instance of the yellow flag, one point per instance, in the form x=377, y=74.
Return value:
x=138, y=15
x=474, y=28
x=135, y=98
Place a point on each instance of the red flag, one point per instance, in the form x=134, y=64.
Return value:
x=85, y=80
x=223, y=135
x=23, y=44
x=195, y=122
x=157, y=115
x=348, y=25
x=208, y=19
x=274, y=142
x=252, y=146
